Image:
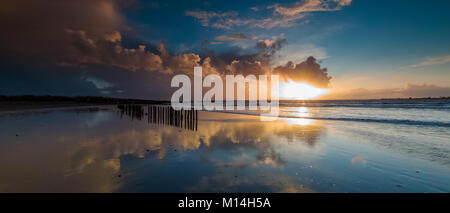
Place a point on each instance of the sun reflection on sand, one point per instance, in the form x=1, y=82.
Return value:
x=302, y=112
x=299, y=121
x=102, y=151
x=94, y=160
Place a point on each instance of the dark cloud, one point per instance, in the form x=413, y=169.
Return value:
x=257, y=62
x=37, y=28
x=19, y=79
x=308, y=71
x=269, y=47
x=247, y=67
x=107, y=50
x=87, y=47
x=59, y=47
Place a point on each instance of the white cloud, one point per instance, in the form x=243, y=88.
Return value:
x=217, y=20
x=99, y=83
x=238, y=36
x=433, y=61
x=283, y=16
x=310, y=6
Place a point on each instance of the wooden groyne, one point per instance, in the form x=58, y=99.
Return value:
x=161, y=114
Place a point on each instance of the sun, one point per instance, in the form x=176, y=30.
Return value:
x=299, y=91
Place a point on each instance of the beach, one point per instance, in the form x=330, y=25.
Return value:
x=384, y=146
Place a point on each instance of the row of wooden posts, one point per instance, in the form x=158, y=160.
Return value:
x=161, y=114
x=132, y=110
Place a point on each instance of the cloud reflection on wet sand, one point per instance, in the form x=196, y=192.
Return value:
x=88, y=153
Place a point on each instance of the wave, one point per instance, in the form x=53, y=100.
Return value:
x=408, y=104
x=438, y=104
x=370, y=120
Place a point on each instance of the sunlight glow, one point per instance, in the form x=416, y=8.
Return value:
x=299, y=91
x=302, y=112
x=299, y=121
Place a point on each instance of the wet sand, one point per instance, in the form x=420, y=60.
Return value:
x=101, y=149
x=24, y=106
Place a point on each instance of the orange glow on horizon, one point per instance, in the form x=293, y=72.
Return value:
x=292, y=90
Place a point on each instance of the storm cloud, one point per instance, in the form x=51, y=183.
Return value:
x=307, y=71
x=78, y=41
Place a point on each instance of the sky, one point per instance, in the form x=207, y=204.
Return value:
x=359, y=49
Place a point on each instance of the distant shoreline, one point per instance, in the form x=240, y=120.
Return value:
x=32, y=102
x=110, y=100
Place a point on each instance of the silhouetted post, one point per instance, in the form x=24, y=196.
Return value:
x=162, y=114
x=196, y=119
x=181, y=118
x=176, y=117
x=192, y=118
x=171, y=116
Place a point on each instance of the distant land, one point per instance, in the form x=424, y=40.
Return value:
x=28, y=102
